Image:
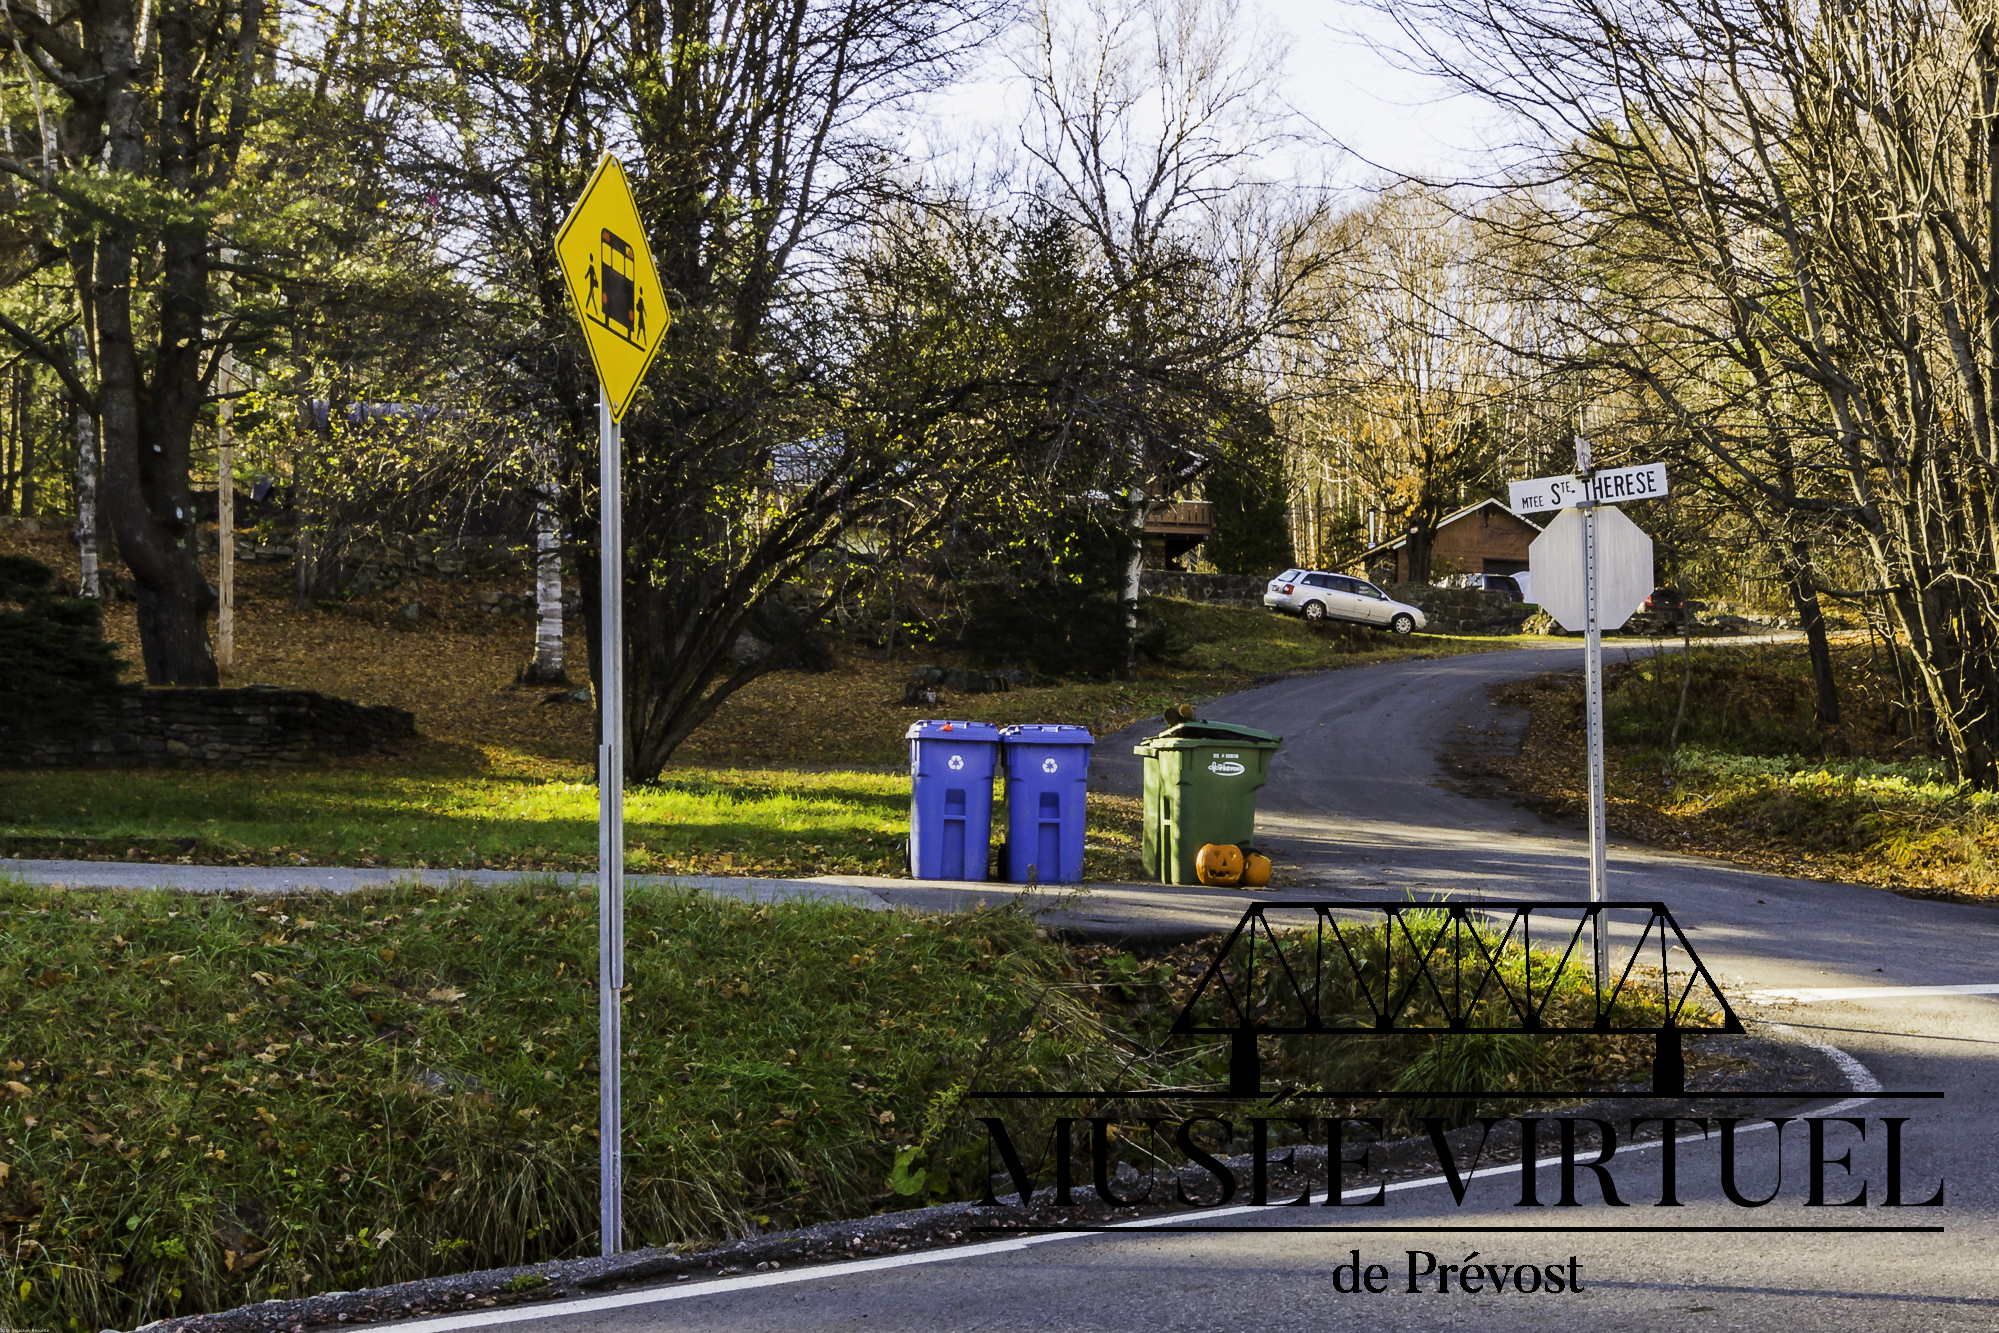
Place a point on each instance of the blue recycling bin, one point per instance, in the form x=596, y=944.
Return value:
x=1047, y=778
x=951, y=798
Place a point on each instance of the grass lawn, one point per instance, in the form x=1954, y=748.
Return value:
x=455, y=667
x=746, y=822
x=209, y=1101
x=503, y=779
x=785, y=824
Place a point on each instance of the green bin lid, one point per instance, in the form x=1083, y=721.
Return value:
x=1182, y=735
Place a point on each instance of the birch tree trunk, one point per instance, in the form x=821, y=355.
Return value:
x=1782, y=222
x=89, y=584
x=547, y=665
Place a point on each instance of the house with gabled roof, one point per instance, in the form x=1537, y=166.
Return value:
x=1482, y=538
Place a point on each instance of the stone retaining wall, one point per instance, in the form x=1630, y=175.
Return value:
x=1463, y=610
x=1215, y=589
x=247, y=728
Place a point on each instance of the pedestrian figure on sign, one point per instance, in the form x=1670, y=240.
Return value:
x=591, y=303
x=642, y=319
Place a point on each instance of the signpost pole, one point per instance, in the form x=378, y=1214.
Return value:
x=1615, y=554
x=602, y=251
x=1593, y=702
x=610, y=829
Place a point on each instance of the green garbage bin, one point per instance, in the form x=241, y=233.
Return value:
x=1201, y=780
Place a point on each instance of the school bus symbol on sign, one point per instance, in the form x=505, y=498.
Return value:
x=602, y=251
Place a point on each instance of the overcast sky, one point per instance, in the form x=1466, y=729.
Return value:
x=1399, y=122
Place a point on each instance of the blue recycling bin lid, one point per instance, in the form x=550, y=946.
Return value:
x=940, y=729
x=1047, y=733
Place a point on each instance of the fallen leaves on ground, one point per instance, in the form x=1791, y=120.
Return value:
x=1762, y=825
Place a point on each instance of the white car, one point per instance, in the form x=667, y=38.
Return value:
x=1320, y=596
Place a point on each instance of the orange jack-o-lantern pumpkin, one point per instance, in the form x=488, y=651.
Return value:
x=1255, y=870
x=1218, y=863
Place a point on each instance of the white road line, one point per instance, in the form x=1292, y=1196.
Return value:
x=1811, y=994
x=1857, y=1074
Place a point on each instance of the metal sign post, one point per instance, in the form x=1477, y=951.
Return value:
x=607, y=265
x=610, y=832
x=1593, y=703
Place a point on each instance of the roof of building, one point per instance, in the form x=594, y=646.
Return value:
x=1448, y=519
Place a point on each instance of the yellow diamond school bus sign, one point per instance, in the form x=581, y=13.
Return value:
x=604, y=258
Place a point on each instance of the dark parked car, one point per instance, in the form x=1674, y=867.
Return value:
x=1513, y=586
x=1663, y=611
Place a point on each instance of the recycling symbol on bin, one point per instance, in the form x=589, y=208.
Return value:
x=957, y=761
x=1048, y=766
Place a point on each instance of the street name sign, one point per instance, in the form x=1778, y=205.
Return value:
x=1611, y=486
x=607, y=265
x=1623, y=569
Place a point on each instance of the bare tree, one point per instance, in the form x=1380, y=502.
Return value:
x=1415, y=398
x=1414, y=382
x=1149, y=117
x=1787, y=207
x=547, y=664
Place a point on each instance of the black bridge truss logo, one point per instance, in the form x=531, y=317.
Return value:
x=1452, y=965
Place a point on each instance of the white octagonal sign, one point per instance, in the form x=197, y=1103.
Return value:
x=1623, y=568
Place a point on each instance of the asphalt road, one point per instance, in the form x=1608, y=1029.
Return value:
x=1356, y=808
